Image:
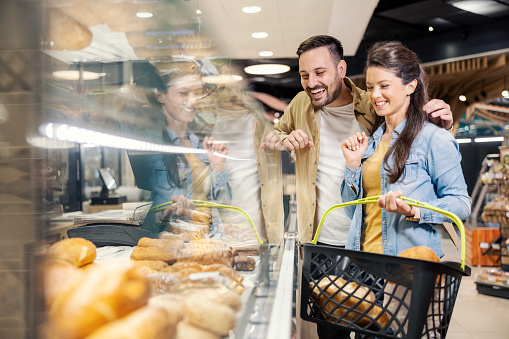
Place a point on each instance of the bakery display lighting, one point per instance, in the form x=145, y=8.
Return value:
x=265, y=69
x=85, y=136
x=251, y=9
x=260, y=35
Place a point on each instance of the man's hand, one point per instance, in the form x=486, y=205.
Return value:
x=439, y=113
x=297, y=139
x=353, y=149
x=272, y=141
x=216, y=163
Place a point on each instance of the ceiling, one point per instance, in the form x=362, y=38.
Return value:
x=476, y=35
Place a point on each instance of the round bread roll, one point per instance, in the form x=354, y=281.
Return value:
x=420, y=252
x=188, y=331
x=209, y=315
x=148, y=322
x=76, y=251
x=106, y=293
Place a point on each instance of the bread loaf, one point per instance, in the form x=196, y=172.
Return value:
x=347, y=296
x=59, y=276
x=106, y=293
x=188, y=331
x=187, y=236
x=152, y=253
x=206, y=252
x=209, y=315
x=421, y=253
x=66, y=33
x=76, y=251
x=149, y=322
x=170, y=246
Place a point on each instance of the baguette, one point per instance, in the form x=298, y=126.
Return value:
x=347, y=295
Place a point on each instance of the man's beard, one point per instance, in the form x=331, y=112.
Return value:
x=336, y=91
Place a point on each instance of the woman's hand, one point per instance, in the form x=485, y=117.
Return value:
x=179, y=207
x=353, y=149
x=392, y=203
x=216, y=163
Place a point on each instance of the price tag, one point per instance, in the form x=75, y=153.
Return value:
x=484, y=245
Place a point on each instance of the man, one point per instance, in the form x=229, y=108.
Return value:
x=329, y=110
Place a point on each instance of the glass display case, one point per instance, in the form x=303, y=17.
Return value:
x=157, y=103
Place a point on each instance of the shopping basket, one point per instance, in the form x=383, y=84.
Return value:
x=380, y=295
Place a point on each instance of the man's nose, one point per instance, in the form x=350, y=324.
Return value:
x=312, y=81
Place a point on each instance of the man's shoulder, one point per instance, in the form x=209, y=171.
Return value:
x=300, y=102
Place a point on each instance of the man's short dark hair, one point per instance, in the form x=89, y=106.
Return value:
x=334, y=45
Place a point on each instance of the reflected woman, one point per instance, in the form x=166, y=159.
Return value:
x=185, y=176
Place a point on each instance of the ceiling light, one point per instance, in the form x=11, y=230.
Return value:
x=260, y=35
x=481, y=7
x=490, y=139
x=267, y=69
x=462, y=98
x=144, y=15
x=505, y=92
x=464, y=141
x=266, y=53
x=223, y=79
x=251, y=9
x=198, y=11
x=430, y=28
x=75, y=75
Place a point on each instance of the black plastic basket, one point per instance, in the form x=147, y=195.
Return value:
x=380, y=295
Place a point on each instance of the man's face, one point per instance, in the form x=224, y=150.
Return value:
x=319, y=77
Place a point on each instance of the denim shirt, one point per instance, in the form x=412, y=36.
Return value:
x=432, y=175
x=163, y=191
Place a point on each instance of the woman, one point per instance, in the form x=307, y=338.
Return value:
x=184, y=176
x=407, y=156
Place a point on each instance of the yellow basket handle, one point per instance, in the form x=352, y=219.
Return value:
x=410, y=202
x=200, y=203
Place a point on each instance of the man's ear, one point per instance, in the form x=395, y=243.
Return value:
x=342, y=69
x=410, y=87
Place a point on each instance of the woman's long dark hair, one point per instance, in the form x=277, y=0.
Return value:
x=394, y=57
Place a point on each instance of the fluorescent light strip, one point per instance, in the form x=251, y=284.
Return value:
x=489, y=139
x=85, y=136
x=464, y=141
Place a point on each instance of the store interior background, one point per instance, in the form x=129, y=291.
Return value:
x=466, y=53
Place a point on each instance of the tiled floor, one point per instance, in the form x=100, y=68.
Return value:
x=475, y=315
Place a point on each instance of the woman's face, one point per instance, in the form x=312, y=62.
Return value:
x=387, y=93
x=179, y=102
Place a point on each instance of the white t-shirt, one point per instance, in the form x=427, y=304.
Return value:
x=337, y=125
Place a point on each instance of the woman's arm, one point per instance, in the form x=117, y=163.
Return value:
x=444, y=168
